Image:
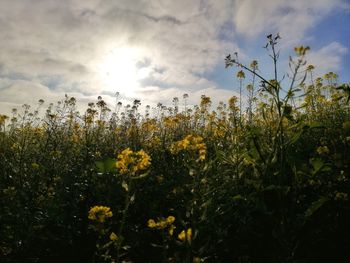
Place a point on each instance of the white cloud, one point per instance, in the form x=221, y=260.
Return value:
x=54, y=46
x=328, y=58
x=50, y=47
x=292, y=19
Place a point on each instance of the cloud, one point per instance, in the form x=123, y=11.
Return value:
x=328, y=58
x=292, y=19
x=50, y=47
x=57, y=45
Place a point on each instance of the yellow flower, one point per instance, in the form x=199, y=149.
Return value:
x=3, y=118
x=162, y=224
x=205, y=102
x=189, y=234
x=240, y=74
x=322, y=150
x=341, y=196
x=100, y=213
x=35, y=166
x=310, y=67
x=254, y=65
x=151, y=223
x=132, y=162
x=191, y=144
x=171, y=230
x=170, y=219
x=301, y=50
x=182, y=235
x=186, y=235
x=144, y=160
x=233, y=103
x=113, y=237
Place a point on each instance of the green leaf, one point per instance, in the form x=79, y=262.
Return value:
x=317, y=165
x=296, y=137
x=106, y=166
x=315, y=125
x=316, y=206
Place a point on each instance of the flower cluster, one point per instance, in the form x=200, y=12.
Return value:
x=162, y=224
x=191, y=143
x=130, y=162
x=341, y=196
x=100, y=213
x=322, y=150
x=113, y=237
x=301, y=50
x=186, y=235
x=3, y=118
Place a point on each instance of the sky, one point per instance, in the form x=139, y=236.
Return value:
x=155, y=50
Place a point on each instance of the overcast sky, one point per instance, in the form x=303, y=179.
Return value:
x=154, y=50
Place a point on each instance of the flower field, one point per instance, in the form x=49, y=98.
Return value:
x=260, y=180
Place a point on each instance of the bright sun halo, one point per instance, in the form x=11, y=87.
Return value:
x=119, y=71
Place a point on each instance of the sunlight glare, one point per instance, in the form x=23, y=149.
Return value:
x=119, y=71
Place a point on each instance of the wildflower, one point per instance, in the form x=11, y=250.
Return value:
x=113, y=237
x=254, y=65
x=170, y=219
x=144, y=162
x=310, y=68
x=232, y=103
x=301, y=50
x=341, y=196
x=322, y=150
x=16, y=146
x=35, y=166
x=240, y=74
x=132, y=162
x=191, y=144
x=75, y=138
x=3, y=118
x=205, y=101
x=163, y=224
x=100, y=213
x=189, y=234
x=171, y=230
x=202, y=152
x=171, y=122
x=186, y=235
x=151, y=223
x=182, y=235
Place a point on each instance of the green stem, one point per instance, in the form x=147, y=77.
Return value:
x=122, y=223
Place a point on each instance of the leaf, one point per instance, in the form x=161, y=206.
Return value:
x=316, y=206
x=315, y=125
x=303, y=128
x=296, y=136
x=276, y=190
x=106, y=165
x=317, y=164
x=100, y=166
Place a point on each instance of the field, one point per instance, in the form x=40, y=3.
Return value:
x=267, y=182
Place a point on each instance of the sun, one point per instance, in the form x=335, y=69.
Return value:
x=119, y=71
